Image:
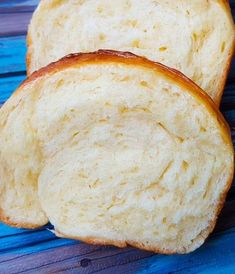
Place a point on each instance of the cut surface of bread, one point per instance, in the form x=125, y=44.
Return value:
x=20, y=163
x=194, y=37
x=122, y=150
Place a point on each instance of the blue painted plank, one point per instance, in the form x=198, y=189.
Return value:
x=17, y=3
x=12, y=52
x=25, y=241
x=7, y=231
x=83, y=258
x=17, y=242
x=37, y=242
x=8, y=86
x=216, y=256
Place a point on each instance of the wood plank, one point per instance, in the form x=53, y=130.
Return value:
x=18, y=3
x=44, y=245
x=12, y=52
x=82, y=258
x=6, y=230
x=216, y=256
x=15, y=17
x=8, y=86
x=8, y=26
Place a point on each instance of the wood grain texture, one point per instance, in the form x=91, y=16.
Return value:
x=40, y=251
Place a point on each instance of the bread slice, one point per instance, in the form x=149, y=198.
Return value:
x=125, y=151
x=194, y=37
x=20, y=162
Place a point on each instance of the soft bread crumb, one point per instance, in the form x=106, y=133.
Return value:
x=124, y=151
x=127, y=170
x=20, y=164
x=195, y=37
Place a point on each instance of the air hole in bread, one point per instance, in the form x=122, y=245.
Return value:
x=60, y=83
x=133, y=23
x=136, y=44
x=223, y=46
x=144, y=84
x=100, y=9
x=102, y=37
x=126, y=78
x=202, y=129
x=162, y=48
x=185, y=165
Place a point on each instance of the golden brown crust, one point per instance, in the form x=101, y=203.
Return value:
x=225, y=4
x=120, y=244
x=28, y=55
x=7, y=220
x=105, y=56
x=93, y=240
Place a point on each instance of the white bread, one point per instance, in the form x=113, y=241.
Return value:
x=125, y=151
x=195, y=37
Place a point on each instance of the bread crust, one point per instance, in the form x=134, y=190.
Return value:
x=7, y=220
x=127, y=58
x=217, y=98
x=28, y=54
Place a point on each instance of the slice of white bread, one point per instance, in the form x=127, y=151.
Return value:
x=194, y=37
x=20, y=161
x=125, y=151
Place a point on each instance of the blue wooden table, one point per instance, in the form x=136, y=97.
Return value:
x=39, y=251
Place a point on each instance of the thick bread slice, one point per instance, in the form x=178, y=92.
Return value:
x=194, y=37
x=125, y=151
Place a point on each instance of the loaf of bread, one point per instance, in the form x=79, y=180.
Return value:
x=114, y=149
x=194, y=37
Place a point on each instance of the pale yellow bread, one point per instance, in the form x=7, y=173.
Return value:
x=125, y=151
x=195, y=37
